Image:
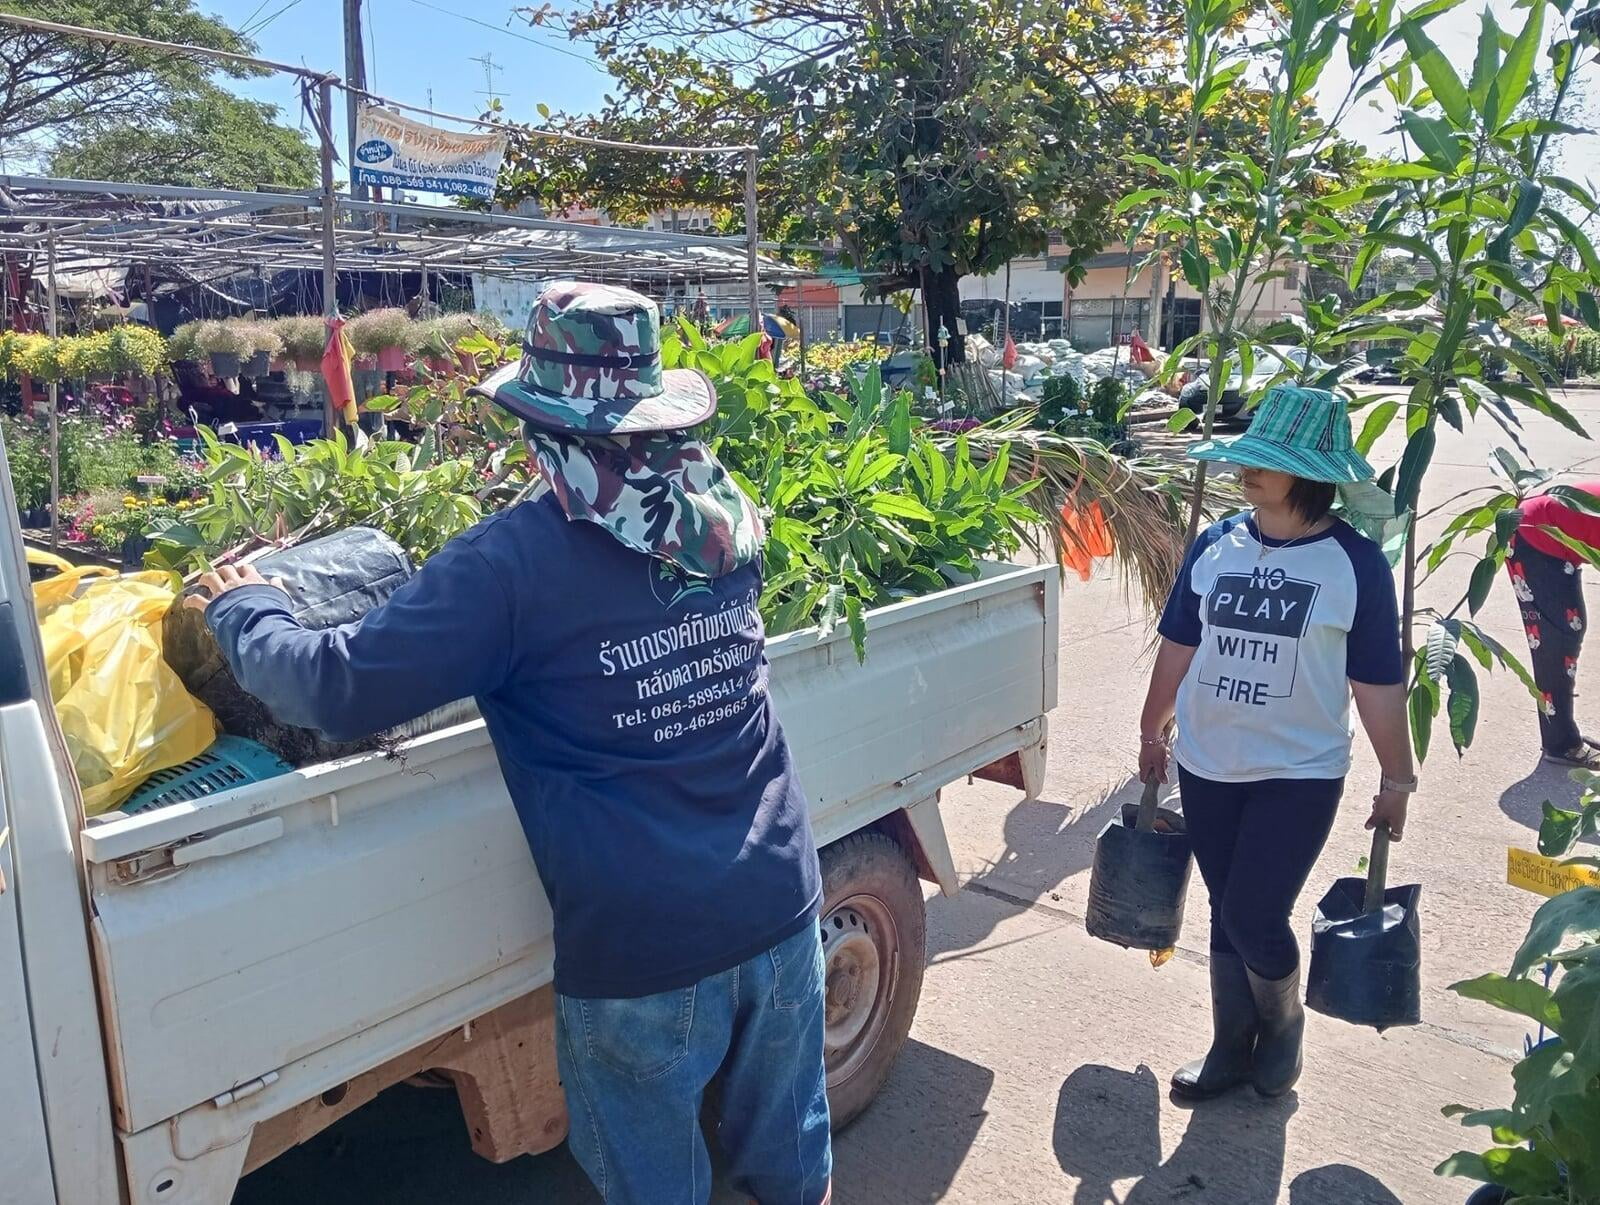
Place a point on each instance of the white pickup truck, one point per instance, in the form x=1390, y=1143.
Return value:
x=189, y=992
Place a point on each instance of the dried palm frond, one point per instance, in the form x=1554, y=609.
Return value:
x=1144, y=499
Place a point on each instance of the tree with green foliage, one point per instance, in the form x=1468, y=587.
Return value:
x=205, y=138
x=83, y=105
x=930, y=140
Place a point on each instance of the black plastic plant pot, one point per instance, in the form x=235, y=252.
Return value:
x=1140, y=877
x=1366, y=949
x=133, y=550
x=1490, y=1194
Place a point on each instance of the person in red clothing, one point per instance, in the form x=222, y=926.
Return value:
x=1548, y=582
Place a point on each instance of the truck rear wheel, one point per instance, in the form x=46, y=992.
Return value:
x=874, y=944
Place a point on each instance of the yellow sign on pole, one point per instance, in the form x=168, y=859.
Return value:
x=1546, y=876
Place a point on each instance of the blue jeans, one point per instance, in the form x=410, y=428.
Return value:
x=635, y=1072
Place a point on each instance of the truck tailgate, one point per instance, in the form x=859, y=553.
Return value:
x=239, y=936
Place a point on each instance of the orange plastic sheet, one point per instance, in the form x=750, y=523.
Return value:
x=1088, y=537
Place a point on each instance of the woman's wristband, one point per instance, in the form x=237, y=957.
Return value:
x=1403, y=786
x=1154, y=740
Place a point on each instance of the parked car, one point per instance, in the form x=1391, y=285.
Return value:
x=1273, y=364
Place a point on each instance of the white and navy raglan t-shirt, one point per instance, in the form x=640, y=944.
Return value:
x=1280, y=629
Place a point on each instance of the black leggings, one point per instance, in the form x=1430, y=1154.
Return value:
x=1550, y=593
x=1256, y=843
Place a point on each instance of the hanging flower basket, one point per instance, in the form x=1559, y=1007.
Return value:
x=225, y=364
x=304, y=338
x=258, y=365
x=365, y=363
x=392, y=359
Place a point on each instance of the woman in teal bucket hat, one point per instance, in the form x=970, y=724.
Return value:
x=1278, y=616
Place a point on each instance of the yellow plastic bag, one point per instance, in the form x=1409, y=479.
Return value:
x=123, y=711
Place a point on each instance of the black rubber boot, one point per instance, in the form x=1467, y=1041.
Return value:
x=1283, y=1027
x=1233, y=1035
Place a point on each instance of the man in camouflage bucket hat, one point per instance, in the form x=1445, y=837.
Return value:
x=608, y=630
x=591, y=365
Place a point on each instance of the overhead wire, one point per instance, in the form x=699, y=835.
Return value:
x=511, y=33
x=269, y=20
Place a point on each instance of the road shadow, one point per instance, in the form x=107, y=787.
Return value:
x=1046, y=844
x=1523, y=801
x=908, y=1146
x=1339, y=1184
x=1108, y=1131
x=410, y=1147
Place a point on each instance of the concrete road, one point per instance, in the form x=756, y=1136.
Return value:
x=1036, y=1069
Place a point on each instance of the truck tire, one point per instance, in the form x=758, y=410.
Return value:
x=874, y=946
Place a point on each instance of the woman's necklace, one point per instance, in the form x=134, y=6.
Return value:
x=1264, y=548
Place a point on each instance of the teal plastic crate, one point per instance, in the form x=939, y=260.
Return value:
x=231, y=761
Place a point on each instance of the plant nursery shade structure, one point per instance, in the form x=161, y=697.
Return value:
x=83, y=233
x=100, y=230
x=248, y=231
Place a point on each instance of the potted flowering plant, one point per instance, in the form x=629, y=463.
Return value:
x=388, y=335
x=183, y=344
x=135, y=351
x=303, y=337
x=261, y=344
x=38, y=357
x=225, y=343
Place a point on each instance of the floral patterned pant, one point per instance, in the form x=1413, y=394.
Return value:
x=1550, y=593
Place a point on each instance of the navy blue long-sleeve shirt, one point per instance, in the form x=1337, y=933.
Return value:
x=629, y=709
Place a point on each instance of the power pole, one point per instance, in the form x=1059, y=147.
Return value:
x=355, y=74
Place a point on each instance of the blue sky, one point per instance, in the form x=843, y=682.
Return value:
x=418, y=45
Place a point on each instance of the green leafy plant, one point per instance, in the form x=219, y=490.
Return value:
x=84, y=356
x=861, y=509
x=1232, y=216
x=10, y=343
x=316, y=488
x=862, y=506
x=1546, y=1145
x=1105, y=400
x=1062, y=399
x=110, y=528
x=1488, y=227
x=28, y=455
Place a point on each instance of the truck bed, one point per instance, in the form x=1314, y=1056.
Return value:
x=258, y=947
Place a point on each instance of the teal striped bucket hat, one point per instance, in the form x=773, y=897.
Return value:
x=1296, y=430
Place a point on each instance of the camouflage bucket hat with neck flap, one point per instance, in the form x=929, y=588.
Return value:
x=591, y=365
x=609, y=431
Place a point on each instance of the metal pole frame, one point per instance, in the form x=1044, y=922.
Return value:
x=330, y=204
x=752, y=238
x=55, y=396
